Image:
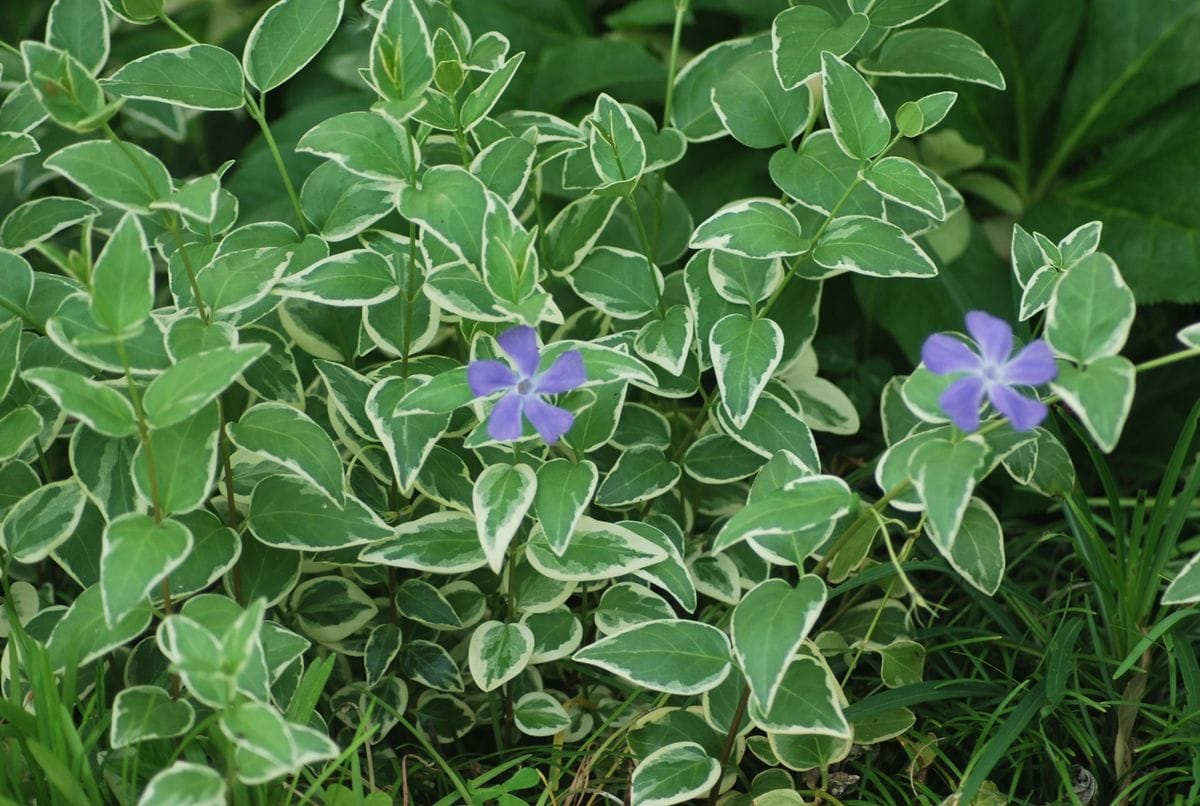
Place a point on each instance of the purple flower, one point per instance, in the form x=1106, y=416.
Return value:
x=523, y=389
x=992, y=372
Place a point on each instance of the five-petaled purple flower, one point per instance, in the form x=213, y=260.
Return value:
x=523, y=389
x=992, y=372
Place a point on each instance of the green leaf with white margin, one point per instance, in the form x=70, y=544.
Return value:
x=80, y=27
x=720, y=459
x=667, y=342
x=756, y=109
x=148, y=712
x=137, y=554
x=801, y=33
x=1100, y=394
x=757, y=228
x=498, y=652
x=40, y=219
x=407, y=438
x=197, y=200
x=287, y=37
x=42, y=520
x=674, y=656
x=81, y=635
x=1190, y=336
x=289, y=438
x=807, y=701
x=451, y=204
x=676, y=773
x=977, y=553
x=743, y=280
x=627, y=604
x=1090, y=311
x=353, y=279
x=1185, y=587
x=185, y=462
x=441, y=543
x=288, y=513
x=194, y=77
x=934, y=53
x=418, y=600
x=800, y=505
x=125, y=174
x=401, y=60
x=503, y=494
x=693, y=112
x=914, y=118
x=859, y=123
x=537, y=713
x=866, y=245
x=557, y=632
x=331, y=608
x=194, y=382
x=769, y=624
x=640, y=474
x=904, y=182
x=570, y=236
x=15, y=146
x=64, y=87
x=745, y=354
x=564, y=490
x=603, y=364
x=671, y=573
x=598, y=550
x=18, y=428
x=366, y=144
x=896, y=13
x=617, y=151
x=123, y=279
x=943, y=474
x=774, y=427
x=184, y=782
x=480, y=101
x=621, y=283
x=96, y=405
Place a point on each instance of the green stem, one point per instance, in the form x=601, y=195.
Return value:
x=681, y=7
x=727, y=747
x=1169, y=358
x=256, y=111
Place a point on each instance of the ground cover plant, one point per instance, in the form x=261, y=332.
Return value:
x=560, y=402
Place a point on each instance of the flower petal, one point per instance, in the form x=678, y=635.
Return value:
x=505, y=423
x=565, y=374
x=943, y=354
x=486, y=377
x=550, y=421
x=1033, y=366
x=961, y=402
x=1024, y=413
x=993, y=335
x=521, y=345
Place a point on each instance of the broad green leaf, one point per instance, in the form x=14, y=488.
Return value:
x=498, y=652
x=557, y=632
x=597, y=550
x=745, y=354
x=537, y=713
x=287, y=37
x=743, y=280
x=822, y=178
x=194, y=77
x=80, y=27
x=15, y=146
x=801, y=33
x=720, y=459
x=341, y=204
x=422, y=602
x=943, y=474
x=621, y=283
x=481, y=99
x=124, y=174
x=859, y=123
x=184, y=782
x=800, y=505
x=756, y=110
x=904, y=182
x=123, y=279
x=136, y=11
x=571, y=234
x=769, y=624
x=676, y=773
x=137, y=554
x=443, y=543
x=351, y=279
x=64, y=87
x=640, y=474
x=1091, y=311
x=197, y=200
x=195, y=381
x=774, y=427
x=914, y=118
x=617, y=151
x=505, y=167
x=97, y=405
x=807, y=701
x=430, y=665
x=978, y=549
x=81, y=635
x=38, y=220
x=627, y=604
x=383, y=645
x=895, y=13
x=287, y=513
x=290, y=439
x=693, y=112
x=1190, y=336
x=184, y=462
x=934, y=53
x=10, y=346
x=671, y=655
x=866, y=245
x=1100, y=394
x=238, y=281
x=407, y=438
x=667, y=341
x=148, y=712
x=366, y=144
x=18, y=428
x=602, y=364
x=1185, y=587
x=330, y=608
x=564, y=490
x=444, y=393
x=503, y=494
x=215, y=548
x=401, y=60
x=42, y=520
x=755, y=228
x=451, y=204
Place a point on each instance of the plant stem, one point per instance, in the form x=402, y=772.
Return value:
x=256, y=110
x=727, y=747
x=681, y=8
